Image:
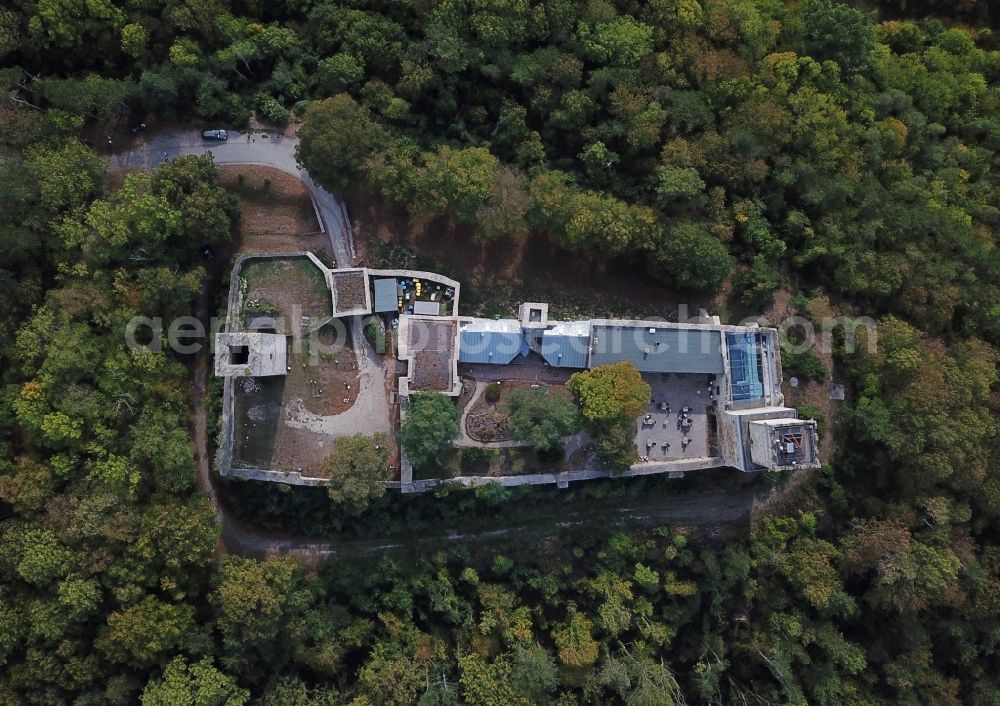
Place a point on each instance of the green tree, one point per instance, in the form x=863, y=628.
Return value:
x=28, y=485
x=338, y=73
x=197, y=684
x=534, y=674
x=610, y=393
x=292, y=691
x=134, y=40
x=622, y=41
x=575, y=641
x=79, y=32
x=36, y=554
x=616, y=444
x=335, y=138
x=357, y=467
x=488, y=684
x=838, y=32
x=691, y=257
x=431, y=424
x=176, y=539
x=540, y=417
x=455, y=183
x=635, y=679
x=146, y=631
x=596, y=222
x=67, y=176
x=190, y=184
x=677, y=183
x=94, y=96
x=161, y=445
x=504, y=212
x=257, y=605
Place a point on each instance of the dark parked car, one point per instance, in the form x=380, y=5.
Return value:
x=215, y=135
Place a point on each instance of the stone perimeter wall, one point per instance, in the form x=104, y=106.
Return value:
x=406, y=483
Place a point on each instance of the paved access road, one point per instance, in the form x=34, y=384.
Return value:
x=276, y=152
x=723, y=506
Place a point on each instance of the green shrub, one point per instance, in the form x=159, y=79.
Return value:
x=758, y=283
x=552, y=454
x=375, y=333
x=475, y=459
x=271, y=110
x=493, y=392
x=803, y=365
x=492, y=493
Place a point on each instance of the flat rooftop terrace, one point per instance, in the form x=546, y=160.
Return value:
x=349, y=291
x=430, y=345
x=664, y=348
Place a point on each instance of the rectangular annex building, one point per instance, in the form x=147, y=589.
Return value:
x=566, y=344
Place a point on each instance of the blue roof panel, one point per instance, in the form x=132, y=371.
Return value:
x=745, y=365
x=499, y=347
x=565, y=351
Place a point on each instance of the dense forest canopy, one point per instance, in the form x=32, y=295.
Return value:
x=838, y=153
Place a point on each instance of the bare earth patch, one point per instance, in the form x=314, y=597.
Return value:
x=277, y=213
x=816, y=395
x=289, y=288
x=275, y=416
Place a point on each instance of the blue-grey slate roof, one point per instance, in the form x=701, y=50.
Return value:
x=658, y=349
x=498, y=347
x=385, y=296
x=565, y=350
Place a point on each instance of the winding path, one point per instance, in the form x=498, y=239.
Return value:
x=714, y=507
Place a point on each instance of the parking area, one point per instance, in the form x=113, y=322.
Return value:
x=665, y=432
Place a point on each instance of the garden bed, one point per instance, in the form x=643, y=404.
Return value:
x=487, y=421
